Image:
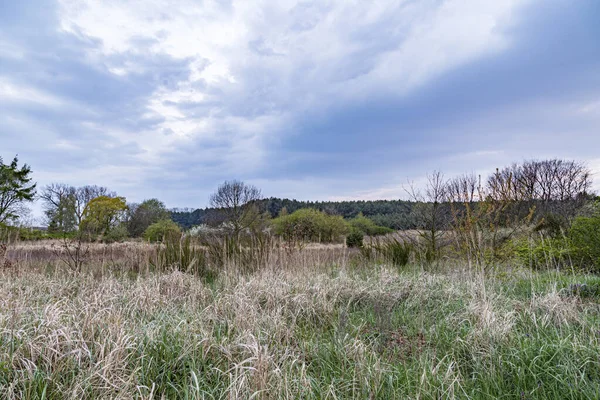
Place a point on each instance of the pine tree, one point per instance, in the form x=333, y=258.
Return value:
x=15, y=189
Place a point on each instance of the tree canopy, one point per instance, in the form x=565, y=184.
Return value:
x=141, y=216
x=15, y=189
x=235, y=204
x=102, y=214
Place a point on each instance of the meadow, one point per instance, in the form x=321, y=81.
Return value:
x=317, y=322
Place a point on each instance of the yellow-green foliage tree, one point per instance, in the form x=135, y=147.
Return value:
x=102, y=214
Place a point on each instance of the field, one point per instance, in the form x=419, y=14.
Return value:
x=321, y=322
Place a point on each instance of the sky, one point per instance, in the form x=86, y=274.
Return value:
x=320, y=100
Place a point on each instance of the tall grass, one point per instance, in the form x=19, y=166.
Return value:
x=392, y=250
x=304, y=325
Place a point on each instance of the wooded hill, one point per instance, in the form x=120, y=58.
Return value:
x=395, y=214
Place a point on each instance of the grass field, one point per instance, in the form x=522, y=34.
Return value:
x=324, y=324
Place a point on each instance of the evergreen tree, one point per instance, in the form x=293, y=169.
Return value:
x=15, y=189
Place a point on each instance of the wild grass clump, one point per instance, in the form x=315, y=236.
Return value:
x=183, y=255
x=392, y=250
x=243, y=253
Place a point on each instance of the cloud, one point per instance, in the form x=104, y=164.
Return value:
x=327, y=99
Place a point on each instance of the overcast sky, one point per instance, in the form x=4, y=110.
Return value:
x=310, y=100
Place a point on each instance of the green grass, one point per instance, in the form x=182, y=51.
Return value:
x=369, y=332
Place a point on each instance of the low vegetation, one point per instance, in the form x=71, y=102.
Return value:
x=314, y=323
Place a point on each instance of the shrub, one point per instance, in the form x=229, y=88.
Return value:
x=204, y=231
x=585, y=240
x=541, y=253
x=141, y=216
x=162, y=230
x=398, y=252
x=116, y=234
x=355, y=239
x=309, y=225
x=367, y=226
x=551, y=224
x=394, y=251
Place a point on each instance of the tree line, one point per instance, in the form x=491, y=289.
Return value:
x=546, y=192
x=394, y=214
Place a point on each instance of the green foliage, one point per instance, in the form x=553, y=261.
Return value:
x=367, y=226
x=102, y=214
x=355, y=239
x=63, y=216
x=141, y=216
x=585, y=290
x=541, y=252
x=398, y=252
x=15, y=189
x=392, y=250
x=309, y=225
x=162, y=230
x=117, y=233
x=15, y=233
x=394, y=214
x=585, y=239
x=551, y=224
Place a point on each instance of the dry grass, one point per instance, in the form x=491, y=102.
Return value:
x=316, y=323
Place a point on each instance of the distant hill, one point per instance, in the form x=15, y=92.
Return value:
x=395, y=214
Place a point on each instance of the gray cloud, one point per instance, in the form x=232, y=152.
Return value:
x=312, y=99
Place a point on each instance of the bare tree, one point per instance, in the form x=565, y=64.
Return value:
x=74, y=252
x=552, y=186
x=59, y=207
x=235, y=202
x=464, y=189
x=429, y=211
x=462, y=194
x=64, y=205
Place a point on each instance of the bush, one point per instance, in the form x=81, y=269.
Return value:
x=355, y=239
x=117, y=234
x=309, y=225
x=542, y=253
x=367, y=226
x=551, y=224
x=394, y=251
x=398, y=252
x=585, y=241
x=162, y=230
x=14, y=233
x=201, y=231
